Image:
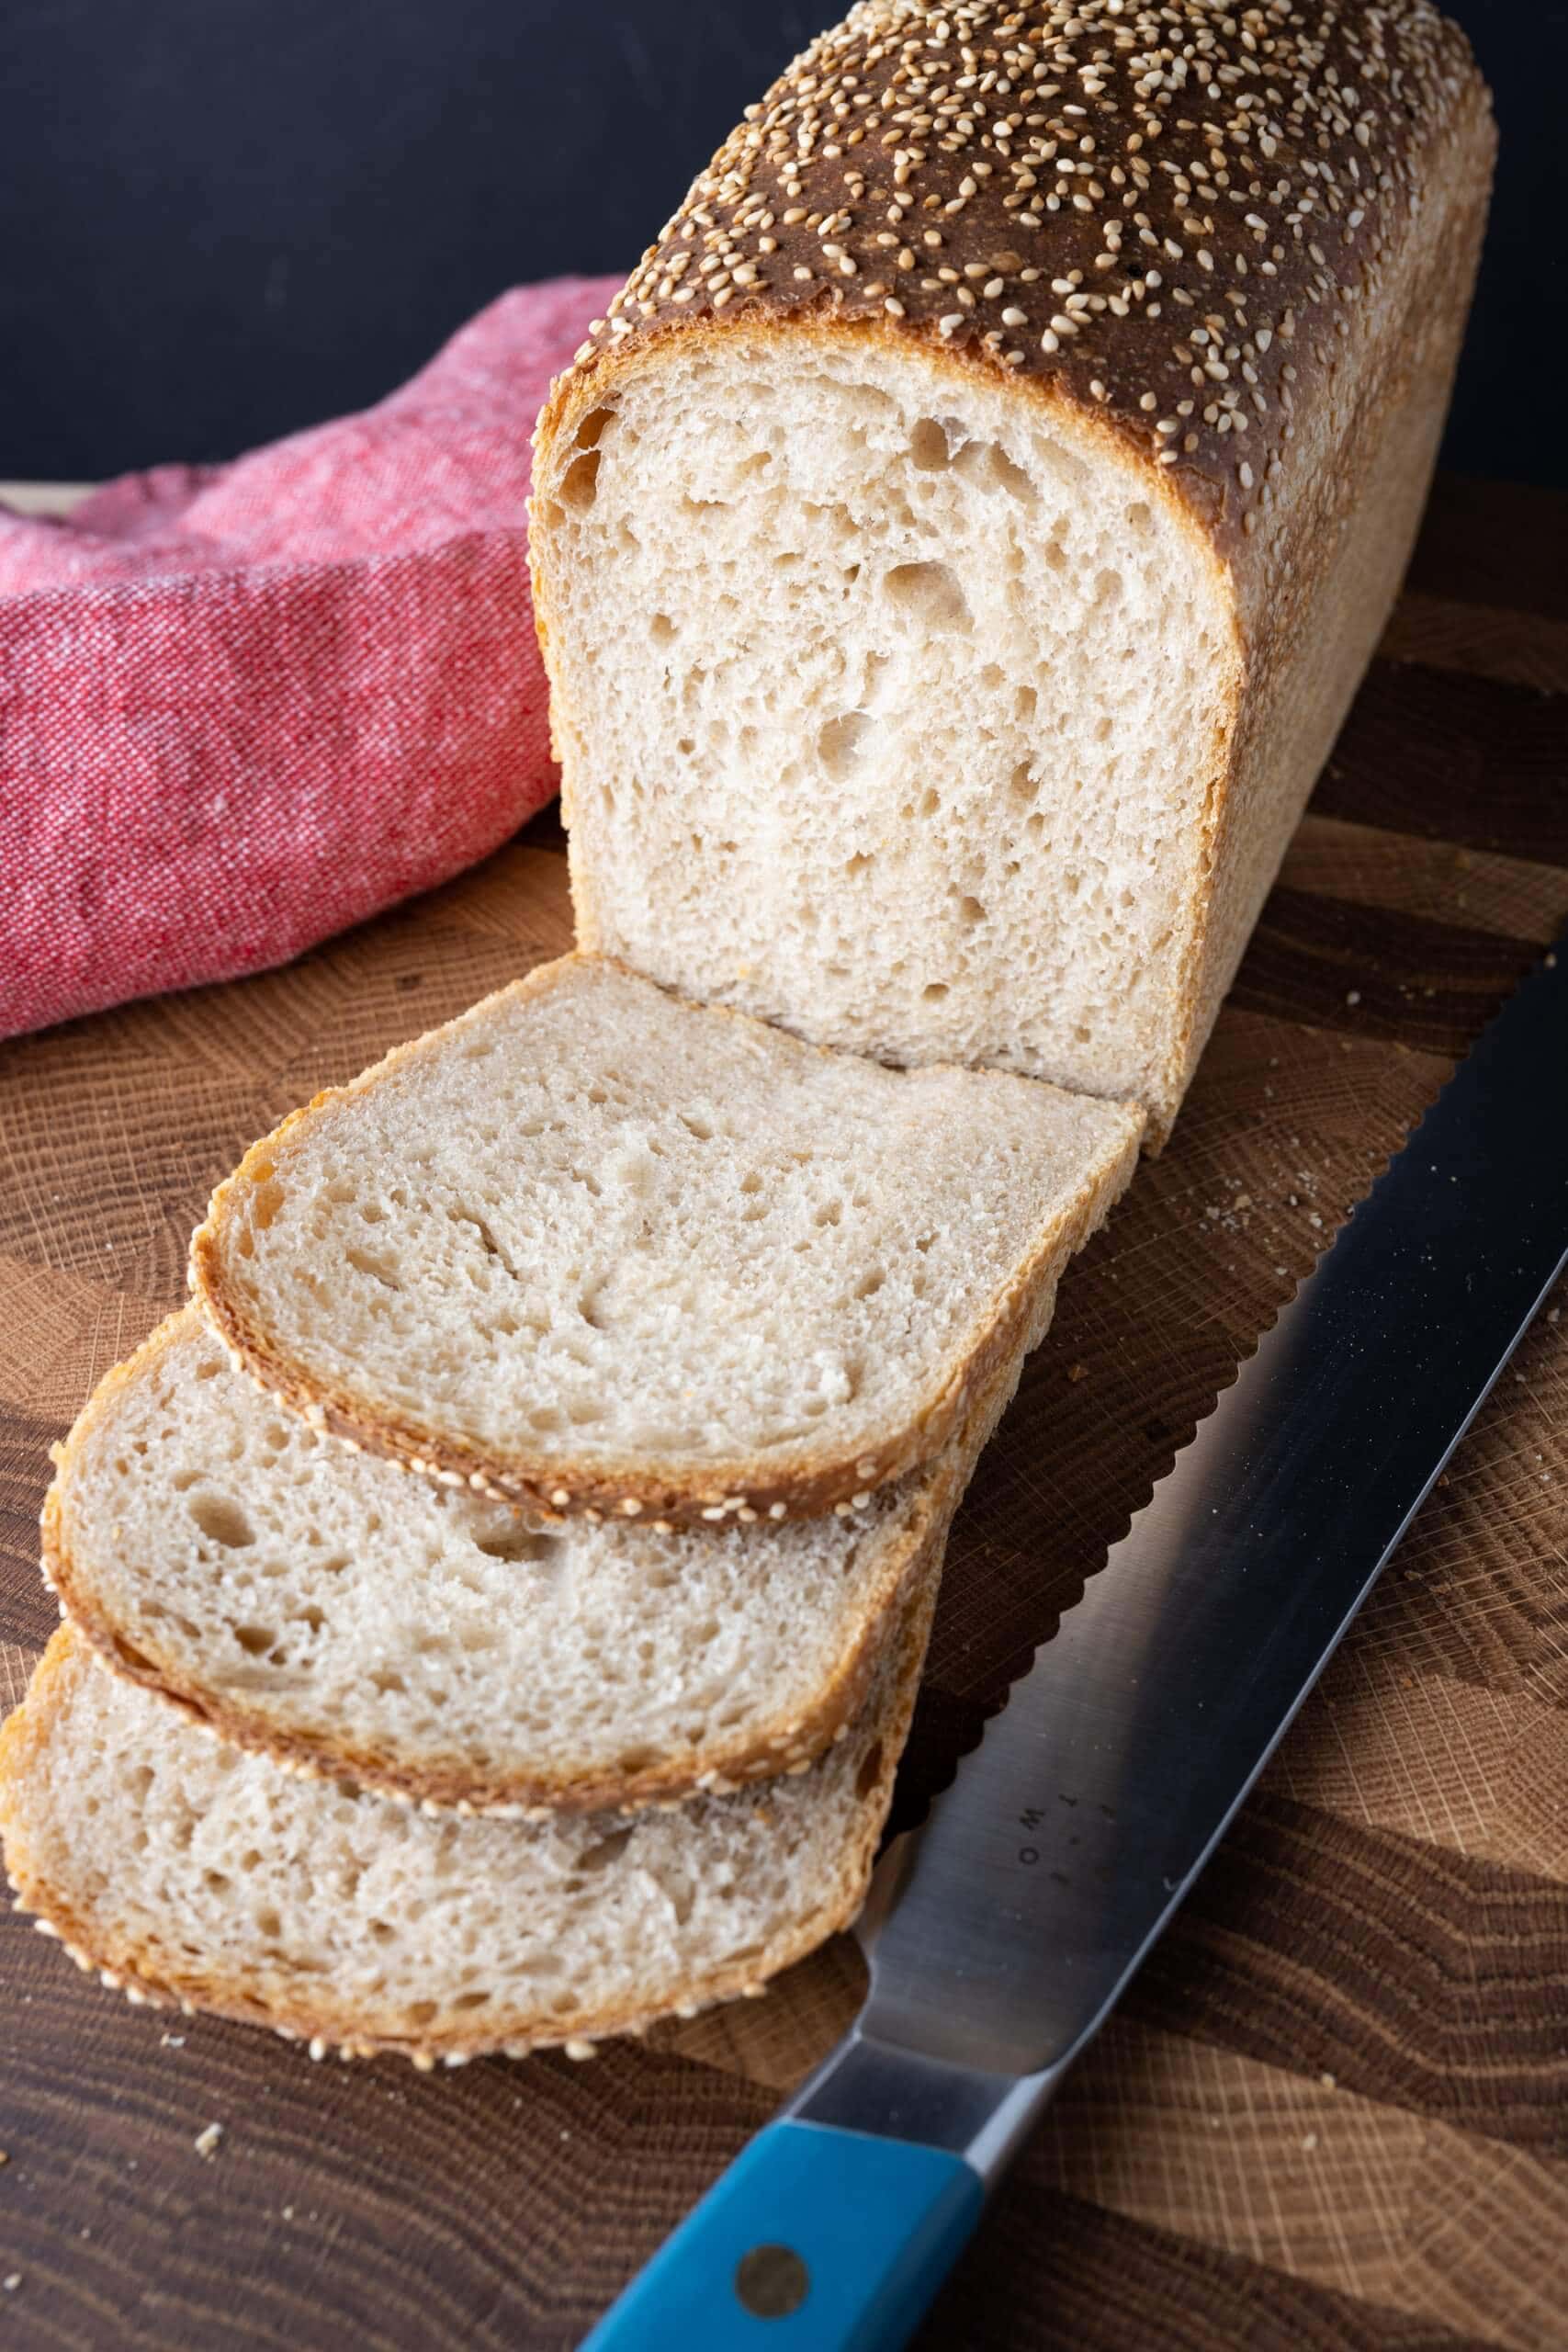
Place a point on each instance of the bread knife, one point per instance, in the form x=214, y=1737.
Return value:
x=1001, y=1934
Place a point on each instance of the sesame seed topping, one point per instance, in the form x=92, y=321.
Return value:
x=1265, y=154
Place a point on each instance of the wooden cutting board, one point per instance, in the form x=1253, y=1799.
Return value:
x=1334, y=2111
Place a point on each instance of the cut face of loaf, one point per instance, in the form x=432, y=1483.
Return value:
x=888, y=705
x=956, y=550
x=352, y=1618
x=189, y=1871
x=592, y=1248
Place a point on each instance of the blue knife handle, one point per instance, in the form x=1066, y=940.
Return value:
x=815, y=2240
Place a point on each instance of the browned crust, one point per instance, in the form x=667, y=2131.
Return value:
x=1263, y=166
x=684, y=1492
x=160, y=1976
x=762, y=1752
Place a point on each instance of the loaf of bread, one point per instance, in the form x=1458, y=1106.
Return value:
x=340, y=1613
x=956, y=550
x=588, y=1247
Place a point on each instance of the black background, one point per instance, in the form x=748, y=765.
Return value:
x=224, y=219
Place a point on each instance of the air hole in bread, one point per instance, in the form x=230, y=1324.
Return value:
x=366, y=1262
x=661, y=629
x=255, y=1640
x=971, y=910
x=591, y=431
x=579, y=481
x=267, y=1198
x=927, y=445
x=934, y=990
x=987, y=465
x=223, y=1520
x=841, y=742
x=870, y=1771
x=929, y=592
x=608, y=1849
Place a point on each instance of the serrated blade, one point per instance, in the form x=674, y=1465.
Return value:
x=1008, y=1925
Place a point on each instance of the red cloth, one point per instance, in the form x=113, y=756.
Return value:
x=244, y=705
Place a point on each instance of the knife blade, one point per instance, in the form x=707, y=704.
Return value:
x=1002, y=1932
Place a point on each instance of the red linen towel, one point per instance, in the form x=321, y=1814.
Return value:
x=244, y=705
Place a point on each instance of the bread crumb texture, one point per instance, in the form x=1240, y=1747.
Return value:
x=335, y=1607
x=184, y=1870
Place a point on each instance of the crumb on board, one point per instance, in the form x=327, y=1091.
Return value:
x=1077, y=1372
x=207, y=2139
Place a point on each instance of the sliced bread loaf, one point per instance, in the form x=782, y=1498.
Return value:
x=341, y=1613
x=187, y=1870
x=591, y=1246
x=956, y=547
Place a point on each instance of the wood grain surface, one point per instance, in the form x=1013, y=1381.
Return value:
x=1334, y=2112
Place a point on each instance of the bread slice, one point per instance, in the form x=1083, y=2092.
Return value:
x=589, y=1246
x=186, y=1870
x=954, y=553
x=347, y=1616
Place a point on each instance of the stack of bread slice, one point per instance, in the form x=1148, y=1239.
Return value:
x=494, y=1607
